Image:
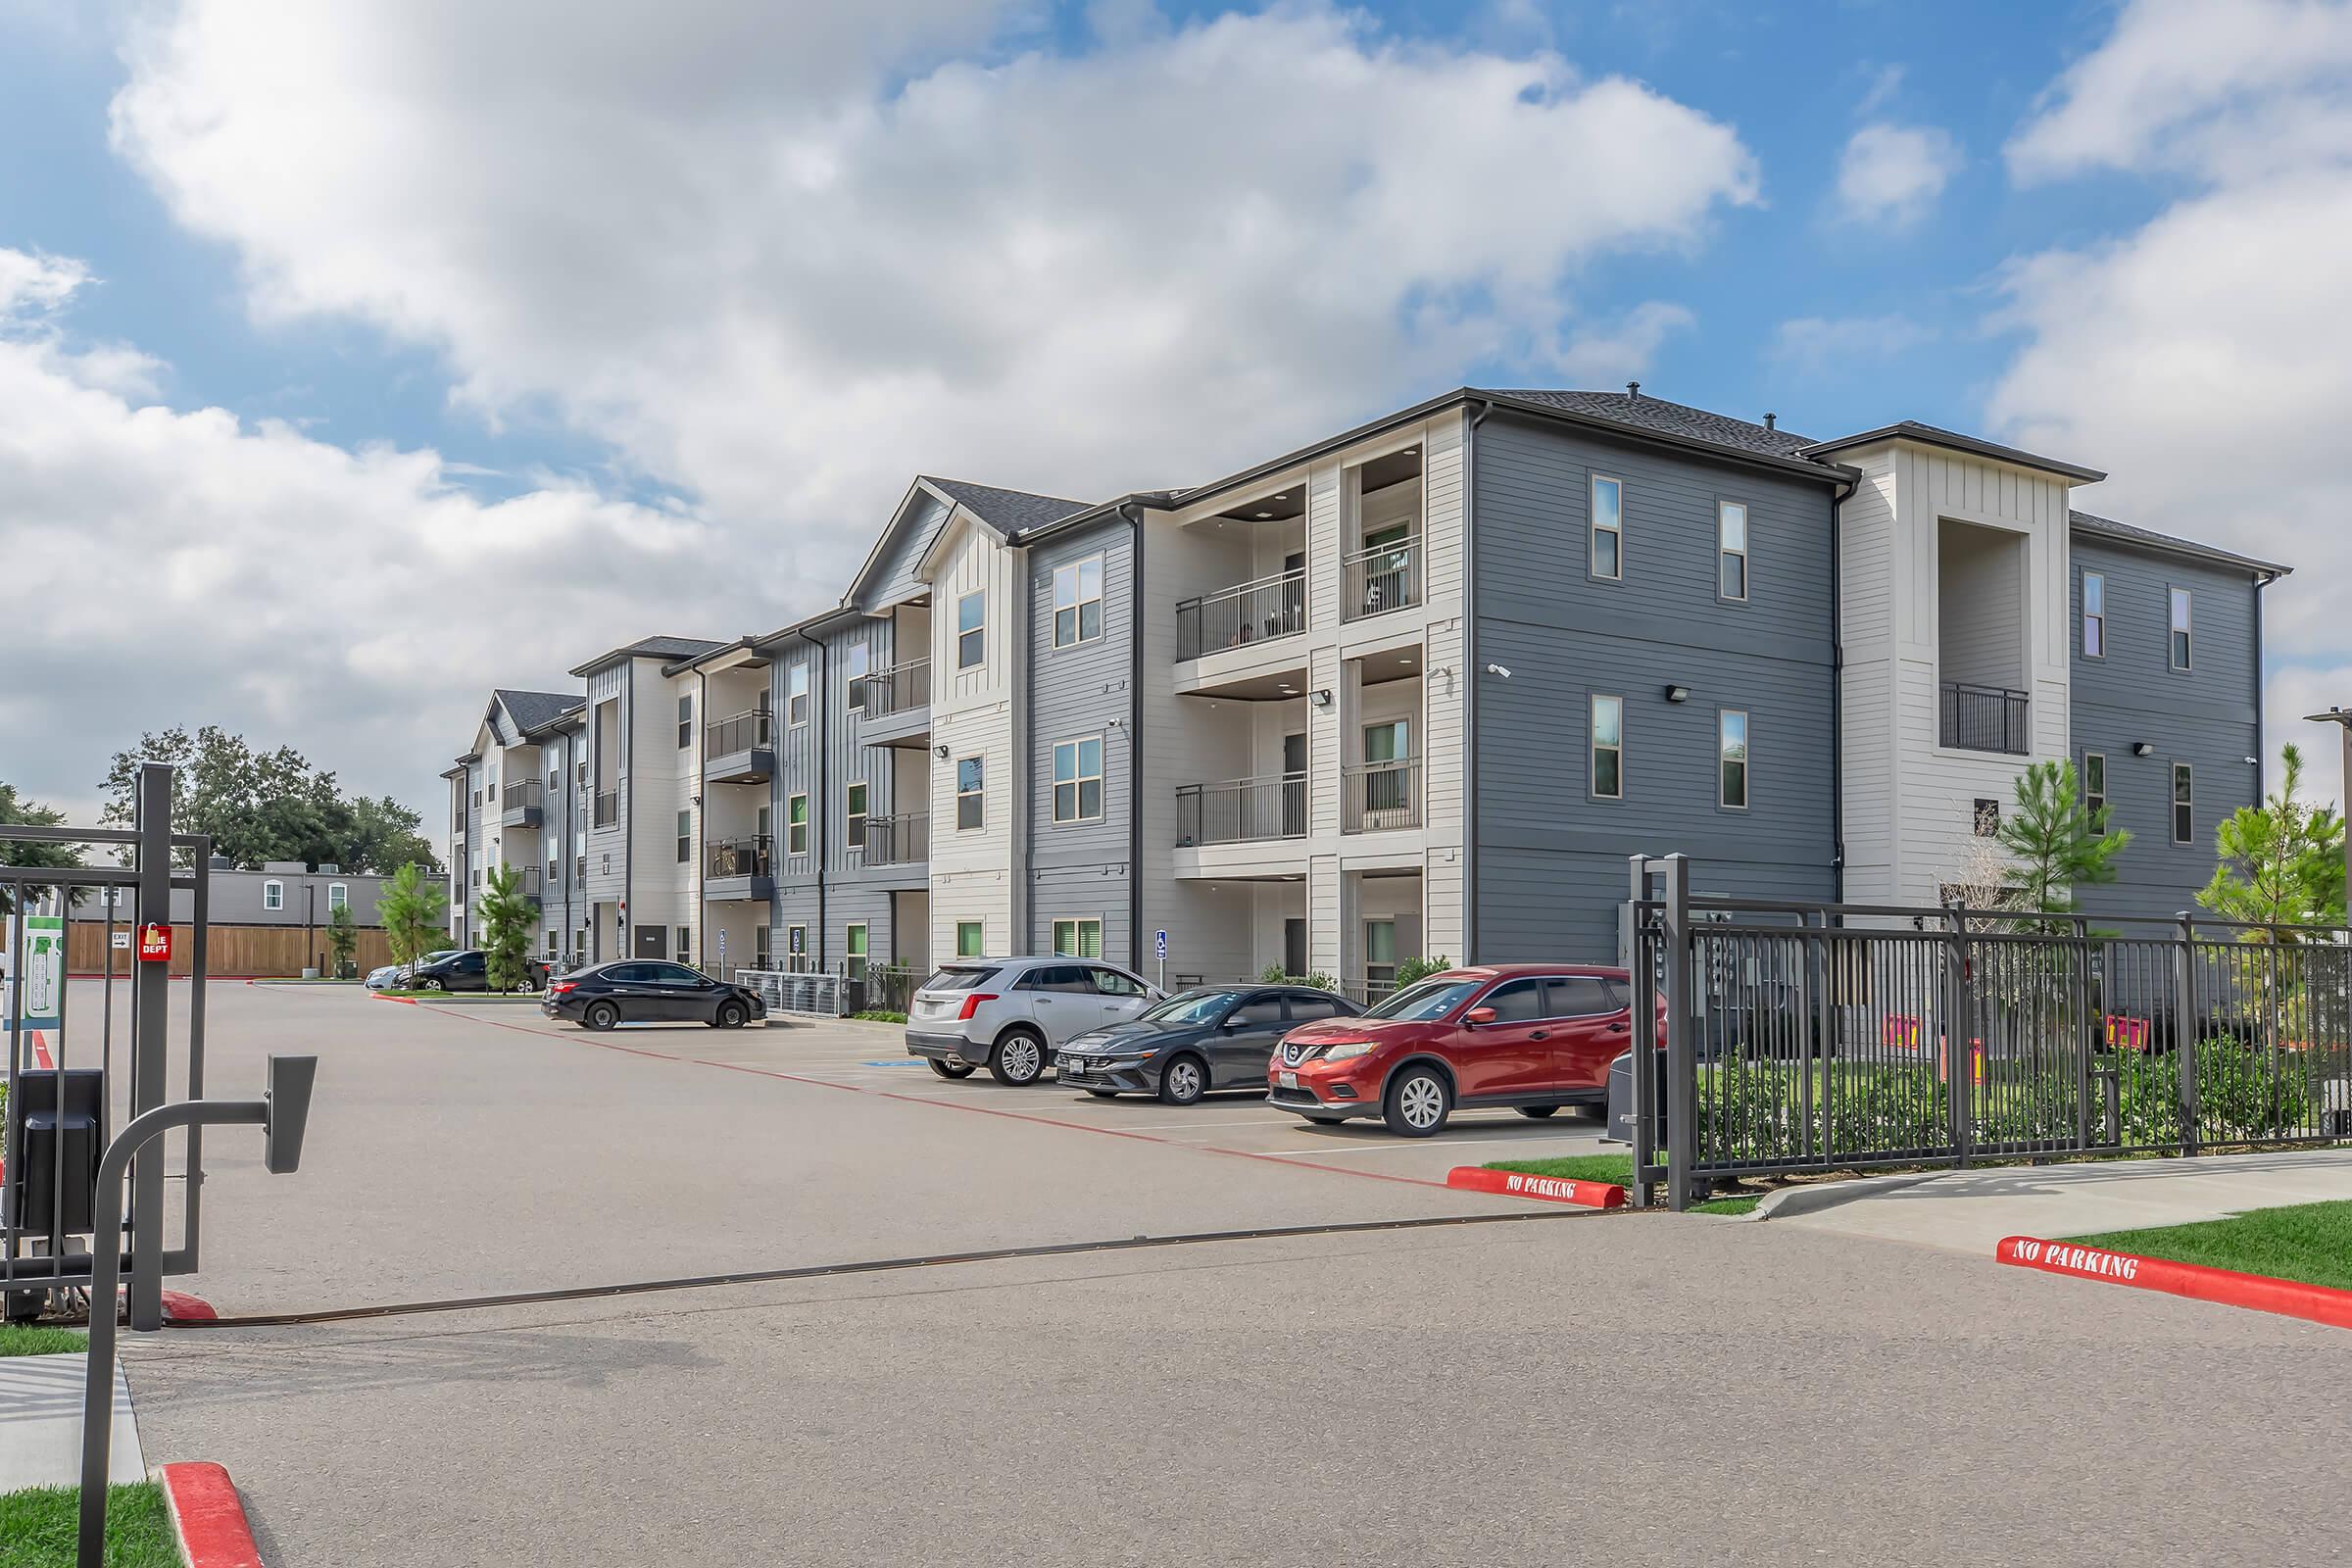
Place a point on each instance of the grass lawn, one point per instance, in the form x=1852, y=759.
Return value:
x=37, y=1526
x=1617, y=1169
x=33, y=1339
x=2307, y=1242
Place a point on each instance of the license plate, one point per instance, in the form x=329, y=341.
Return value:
x=1288, y=1080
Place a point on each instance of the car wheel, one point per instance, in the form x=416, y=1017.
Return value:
x=1019, y=1059
x=601, y=1015
x=529, y=985
x=730, y=1015
x=1536, y=1112
x=429, y=983
x=1184, y=1080
x=950, y=1069
x=1418, y=1102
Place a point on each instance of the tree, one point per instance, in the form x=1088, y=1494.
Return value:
x=2055, y=844
x=507, y=919
x=2280, y=864
x=414, y=910
x=342, y=938
x=17, y=812
x=259, y=805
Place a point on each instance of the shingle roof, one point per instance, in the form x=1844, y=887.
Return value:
x=652, y=648
x=2133, y=533
x=530, y=709
x=1937, y=436
x=1646, y=413
x=1012, y=510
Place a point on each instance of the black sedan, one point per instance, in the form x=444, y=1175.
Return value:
x=1218, y=1037
x=644, y=991
x=470, y=970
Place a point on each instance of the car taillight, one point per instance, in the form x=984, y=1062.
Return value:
x=971, y=1005
x=562, y=986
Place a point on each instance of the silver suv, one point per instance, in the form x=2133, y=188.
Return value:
x=1011, y=1016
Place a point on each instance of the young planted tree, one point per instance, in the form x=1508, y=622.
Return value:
x=414, y=910
x=342, y=938
x=507, y=919
x=2280, y=864
x=2055, y=844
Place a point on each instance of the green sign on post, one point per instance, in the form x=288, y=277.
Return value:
x=39, y=974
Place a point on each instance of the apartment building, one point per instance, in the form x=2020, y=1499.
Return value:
x=1420, y=689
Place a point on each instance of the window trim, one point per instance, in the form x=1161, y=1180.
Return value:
x=2094, y=800
x=1593, y=529
x=276, y=889
x=1592, y=745
x=796, y=824
x=796, y=694
x=1077, y=783
x=856, y=652
x=979, y=929
x=1747, y=760
x=685, y=720
x=1075, y=922
x=2084, y=620
x=685, y=835
x=859, y=953
x=1078, y=602
x=1745, y=552
x=979, y=793
x=979, y=629
x=856, y=800
x=338, y=896
x=2179, y=772
x=2185, y=631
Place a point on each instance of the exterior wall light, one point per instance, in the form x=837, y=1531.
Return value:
x=1321, y=697
x=1678, y=694
x=2141, y=749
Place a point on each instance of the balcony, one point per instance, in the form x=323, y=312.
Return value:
x=740, y=749
x=740, y=868
x=519, y=804
x=1380, y=797
x=1241, y=810
x=1984, y=718
x=1384, y=578
x=1246, y=612
x=894, y=705
x=608, y=809
x=532, y=887
x=901, y=840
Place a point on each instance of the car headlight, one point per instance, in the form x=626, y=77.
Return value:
x=1349, y=1052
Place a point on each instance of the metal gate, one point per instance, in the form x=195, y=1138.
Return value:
x=84, y=1055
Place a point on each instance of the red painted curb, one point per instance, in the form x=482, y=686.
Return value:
x=1551, y=1188
x=209, y=1517
x=2259, y=1292
x=181, y=1307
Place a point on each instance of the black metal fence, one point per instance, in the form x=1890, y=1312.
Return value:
x=1985, y=719
x=1815, y=1037
x=1246, y=612
x=1242, y=810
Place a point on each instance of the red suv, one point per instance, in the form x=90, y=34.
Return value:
x=1531, y=1036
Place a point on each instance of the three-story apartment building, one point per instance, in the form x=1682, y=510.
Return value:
x=1419, y=689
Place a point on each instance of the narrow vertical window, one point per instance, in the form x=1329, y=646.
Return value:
x=2179, y=605
x=796, y=826
x=1731, y=549
x=853, y=831
x=273, y=894
x=1731, y=741
x=685, y=837
x=2184, y=826
x=2094, y=789
x=853, y=951
x=2094, y=615
x=1608, y=747
x=971, y=629
x=685, y=721
x=795, y=695
x=971, y=807
x=1608, y=528
x=338, y=897
x=855, y=662
x=970, y=942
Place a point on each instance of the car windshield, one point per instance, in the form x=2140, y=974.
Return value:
x=959, y=979
x=1425, y=1000
x=1191, y=1007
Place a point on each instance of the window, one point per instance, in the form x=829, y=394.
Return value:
x=2094, y=615
x=2185, y=827
x=1379, y=952
x=685, y=721
x=853, y=949
x=1078, y=602
x=551, y=943
x=338, y=897
x=1608, y=527
x=853, y=835
x=795, y=948
x=555, y=781
x=969, y=943
x=1078, y=781
x=1608, y=747
x=796, y=826
x=685, y=950
x=971, y=629
x=2094, y=789
x=856, y=659
x=1577, y=996
x=273, y=894
x=1111, y=983
x=1078, y=939
x=971, y=807
x=685, y=837
x=1263, y=1009
x=1731, y=734
x=1516, y=1002
x=1304, y=1008
x=1731, y=550
x=2179, y=598
x=795, y=695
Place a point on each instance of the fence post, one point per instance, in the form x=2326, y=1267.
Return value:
x=1682, y=1087
x=2185, y=1029
x=2086, y=1032
x=1959, y=1059
x=150, y=1039
x=1641, y=963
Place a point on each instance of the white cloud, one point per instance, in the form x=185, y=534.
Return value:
x=33, y=284
x=1820, y=345
x=1890, y=177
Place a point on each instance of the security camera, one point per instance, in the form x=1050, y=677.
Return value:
x=1498, y=669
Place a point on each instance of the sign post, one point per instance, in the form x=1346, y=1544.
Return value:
x=1160, y=950
x=722, y=953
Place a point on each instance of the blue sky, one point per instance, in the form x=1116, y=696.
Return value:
x=330, y=324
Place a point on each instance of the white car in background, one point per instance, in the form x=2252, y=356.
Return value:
x=1011, y=1016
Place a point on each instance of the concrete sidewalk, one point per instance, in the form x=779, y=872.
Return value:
x=40, y=1424
x=1971, y=1210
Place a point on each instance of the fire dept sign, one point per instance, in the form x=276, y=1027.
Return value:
x=155, y=943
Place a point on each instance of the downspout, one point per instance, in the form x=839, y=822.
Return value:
x=820, y=690
x=701, y=812
x=1134, y=513
x=2262, y=580
x=1471, y=668
x=627, y=814
x=1837, y=696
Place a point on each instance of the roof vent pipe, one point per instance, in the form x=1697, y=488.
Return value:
x=1768, y=419
x=1633, y=389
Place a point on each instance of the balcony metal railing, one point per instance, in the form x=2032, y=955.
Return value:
x=524, y=795
x=532, y=883
x=1376, y=796
x=1243, y=810
x=1380, y=579
x=607, y=807
x=1985, y=719
x=1246, y=612
x=753, y=856
x=901, y=840
x=739, y=732
x=896, y=690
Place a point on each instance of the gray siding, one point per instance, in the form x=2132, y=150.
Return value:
x=1082, y=692
x=2206, y=716
x=1550, y=862
x=894, y=578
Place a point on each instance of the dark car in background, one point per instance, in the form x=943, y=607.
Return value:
x=1213, y=1036
x=649, y=991
x=470, y=970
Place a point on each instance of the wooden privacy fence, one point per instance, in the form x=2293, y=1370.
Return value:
x=235, y=949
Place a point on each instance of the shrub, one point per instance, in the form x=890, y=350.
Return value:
x=1412, y=969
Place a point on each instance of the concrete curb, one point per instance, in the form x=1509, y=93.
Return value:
x=1549, y=1189
x=2260, y=1293
x=1814, y=1196
x=209, y=1517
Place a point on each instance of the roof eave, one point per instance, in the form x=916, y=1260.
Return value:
x=1953, y=440
x=2182, y=546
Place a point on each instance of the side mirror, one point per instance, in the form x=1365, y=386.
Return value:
x=1478, y=1015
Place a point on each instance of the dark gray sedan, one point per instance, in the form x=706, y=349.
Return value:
x=1218, y=1037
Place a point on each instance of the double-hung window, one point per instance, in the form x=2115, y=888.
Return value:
x=1608, y=527
x=795, y=695
x=273, y=894
x=1608, y=747
x=1078, y=781
x=685, y=720
x=1730, y=744
x=856, y=659
x=2184, y=826
x=971, y=629
x=1731, y=550
x=971, y=806
x=2094, y=615
x=2094, y=789
x=2180, y=625
x=1078, y=602
x=796, y=826
x=853, y=951
x=853, y=830
x=1078, y=939
x=685, y=837
x=338, y=897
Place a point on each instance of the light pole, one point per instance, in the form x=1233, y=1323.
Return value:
x=2343, y=721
